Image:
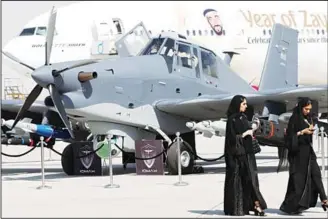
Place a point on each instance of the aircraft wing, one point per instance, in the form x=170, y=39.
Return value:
x=15, y=105
x=215, y=106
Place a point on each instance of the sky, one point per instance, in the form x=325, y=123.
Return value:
x=13, y=24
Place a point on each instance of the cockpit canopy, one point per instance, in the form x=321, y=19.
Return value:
x=178, y=51
x=31, y=31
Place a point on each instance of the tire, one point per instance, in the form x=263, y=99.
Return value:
x=67, y=160
x=172, y=159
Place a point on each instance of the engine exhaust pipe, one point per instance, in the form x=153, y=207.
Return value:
x=86, y=76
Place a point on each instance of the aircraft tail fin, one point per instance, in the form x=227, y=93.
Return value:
x=280, y=68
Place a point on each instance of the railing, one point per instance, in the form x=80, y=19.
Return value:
x=12, y=89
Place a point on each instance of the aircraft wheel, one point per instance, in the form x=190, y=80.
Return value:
x=67, y=160
x=187, y=159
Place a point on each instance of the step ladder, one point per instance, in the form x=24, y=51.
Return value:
x=13, y=89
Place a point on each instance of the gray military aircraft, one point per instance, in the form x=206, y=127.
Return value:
x=157, y=85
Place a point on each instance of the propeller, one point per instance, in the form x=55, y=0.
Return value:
x=40, y=74
x=10, y=56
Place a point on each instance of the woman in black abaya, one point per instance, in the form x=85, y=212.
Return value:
x=304, y=182
x=241, y=189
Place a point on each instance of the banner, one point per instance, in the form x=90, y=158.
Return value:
x=88, y=165
x=148, y=149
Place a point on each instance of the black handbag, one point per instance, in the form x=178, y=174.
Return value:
x=256, y=146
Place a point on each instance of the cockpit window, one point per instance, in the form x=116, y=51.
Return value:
x=27, y=32
x=153, y=47
x=209, y=63
x=41, y=31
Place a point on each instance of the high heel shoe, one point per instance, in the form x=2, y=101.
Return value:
x=324, y=205
x=258, y=211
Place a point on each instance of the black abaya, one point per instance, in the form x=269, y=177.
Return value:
x=241, y=189
x=304, y=184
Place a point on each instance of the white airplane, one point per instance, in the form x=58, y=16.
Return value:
x=89, y=29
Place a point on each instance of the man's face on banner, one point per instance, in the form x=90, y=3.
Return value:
x=215, y=22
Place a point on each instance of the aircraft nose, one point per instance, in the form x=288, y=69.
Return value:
x=9, y=46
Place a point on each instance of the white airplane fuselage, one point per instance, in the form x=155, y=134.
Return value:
x=246, y=26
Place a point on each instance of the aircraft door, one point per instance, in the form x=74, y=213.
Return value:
x=185, y=61
x=131, y=43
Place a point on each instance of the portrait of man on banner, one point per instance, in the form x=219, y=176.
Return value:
x=214, y=21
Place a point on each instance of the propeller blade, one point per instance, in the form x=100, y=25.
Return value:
x=79, y=64
x=60, y=108
x=50, y=34
x=28, y=102
x=10, y=56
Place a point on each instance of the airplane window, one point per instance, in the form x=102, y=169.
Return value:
x=318, y=32
x=27, y=32
x=270, y=32
x=199, y=32
x=167, y=53
x=209, y=64
x=264, y=32
x=41, y=31
x=212, y=32
x=184, y=56
x=149, y=32
x=323, y=31
x=188, y=32
x=196, y=62
x=194, y=32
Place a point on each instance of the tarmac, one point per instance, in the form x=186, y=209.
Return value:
x=137, y=196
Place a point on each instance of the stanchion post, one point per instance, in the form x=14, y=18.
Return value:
x=319, y=141
x=49, y=159
x=323, y=166
x=180, y=182
x=110, y=164
x=43, y=185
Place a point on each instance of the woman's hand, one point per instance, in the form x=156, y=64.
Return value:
x=248, y=132
x=307, y=131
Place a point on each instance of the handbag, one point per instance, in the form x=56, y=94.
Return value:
x=256, y=146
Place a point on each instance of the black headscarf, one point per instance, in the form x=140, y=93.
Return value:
x=298, y=109
x=234, y=107
x=297, y=118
